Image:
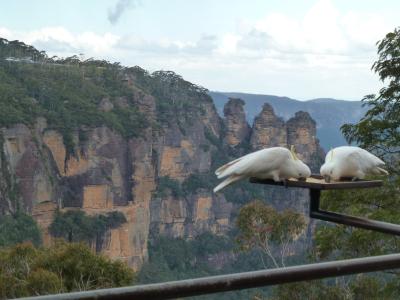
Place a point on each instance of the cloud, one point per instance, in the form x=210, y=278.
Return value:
x=5, y=33
x=322, y=50
x=204, y=46
x=60, y=41
x=323, y=30
x=120, y=7
x=323, y=37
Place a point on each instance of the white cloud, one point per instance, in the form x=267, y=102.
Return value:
x=278, y=54
x=228, y=44
x=60, y=41
x=323, y=30
x=5, y=33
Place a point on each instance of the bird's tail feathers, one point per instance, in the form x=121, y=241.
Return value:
x=382, y=171
x=228, y=181
x=220, y=172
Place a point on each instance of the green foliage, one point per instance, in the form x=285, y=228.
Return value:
x=18, y=228
x=167, y=184
x=208, y=244
x=261, y=226
x=9, y=188
x=170, y=259
x=67, y=92
x=380, y=204
x=357, y=287
x=76, y=226
x=340, y=242
x=28, y=271
x=379, y=130
x=176, y=99
x=316, y=289
x=177, y=259
x=214, y=140
x=243, y=192
x=197, y=181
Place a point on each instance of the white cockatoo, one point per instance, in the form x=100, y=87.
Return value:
x=275, y=163
x=350, y=161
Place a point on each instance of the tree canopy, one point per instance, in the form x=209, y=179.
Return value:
x=379, y=129
x=18, y=228
x=29, y=271
x=379, y=132
x=263, y=227
x=76, y=226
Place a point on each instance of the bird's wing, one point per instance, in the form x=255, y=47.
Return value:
x=375, y=160
x=373, y=164
x=221, y=169
x=368, y=160
x=254, y=163
x=354, y=161
x=365, y=162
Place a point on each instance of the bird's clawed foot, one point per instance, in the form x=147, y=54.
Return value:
x=285, y=182
x=327, y=178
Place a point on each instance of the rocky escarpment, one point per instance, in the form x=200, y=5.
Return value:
x=301, y=131
x=100, y=178
x=268, y=130
x=110, y=173
x=160, y=176
x=237, y=128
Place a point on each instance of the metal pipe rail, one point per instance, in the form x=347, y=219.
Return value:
x=317, y=213
x=238, y=281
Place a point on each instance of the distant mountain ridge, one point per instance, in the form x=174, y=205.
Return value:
x=330, y=114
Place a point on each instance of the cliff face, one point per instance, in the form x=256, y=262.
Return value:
x=237, y=128
x=301, y=131
x=160, y=179
x=268, y=130
x=271, y=131
x=108, y=173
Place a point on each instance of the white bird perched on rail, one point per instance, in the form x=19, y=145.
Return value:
x=275, y=163
x=353, y=162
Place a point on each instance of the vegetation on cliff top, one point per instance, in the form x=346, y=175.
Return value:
x=68, y=92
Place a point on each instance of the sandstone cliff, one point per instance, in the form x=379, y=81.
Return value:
x=160, y=177
x=301, y=131
x=237, y=128
x=268, y=130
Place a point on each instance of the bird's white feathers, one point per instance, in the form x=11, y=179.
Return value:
x=265, y=159
x=228, y=181
x=349, y=161
x=276, y=163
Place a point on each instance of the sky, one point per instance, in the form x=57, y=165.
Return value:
x=303, y=49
